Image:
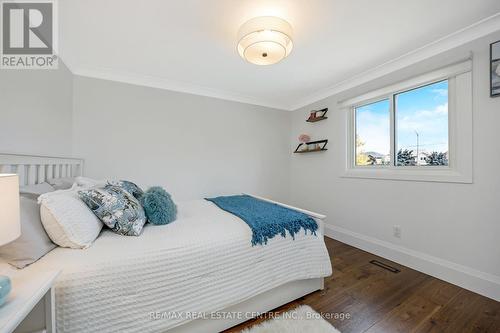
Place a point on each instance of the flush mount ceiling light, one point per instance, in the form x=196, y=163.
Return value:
x=265, y=40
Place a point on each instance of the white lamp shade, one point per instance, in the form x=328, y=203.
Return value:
x=10, y=226
x=265, y=40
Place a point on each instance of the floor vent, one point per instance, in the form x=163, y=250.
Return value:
x=385, y=266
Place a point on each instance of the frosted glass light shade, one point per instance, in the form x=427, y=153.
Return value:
x=265, y=40
x=10, y=226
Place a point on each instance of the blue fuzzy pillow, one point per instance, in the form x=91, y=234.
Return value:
x=158, y=205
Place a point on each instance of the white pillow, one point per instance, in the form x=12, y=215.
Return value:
x=61, y=183
x=36, y=189
x=89, y=182
x=67, y=220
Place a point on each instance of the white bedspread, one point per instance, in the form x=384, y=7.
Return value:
x=202, y=262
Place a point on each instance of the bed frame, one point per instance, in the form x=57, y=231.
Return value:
x=37, y=169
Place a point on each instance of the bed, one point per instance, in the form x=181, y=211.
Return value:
x=197, y=274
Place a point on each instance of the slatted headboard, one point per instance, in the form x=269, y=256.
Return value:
x=37, y=169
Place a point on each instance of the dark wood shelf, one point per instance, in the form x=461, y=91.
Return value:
x=316, y=119
x=314, y=115
x=310, y=151
x=321, y=148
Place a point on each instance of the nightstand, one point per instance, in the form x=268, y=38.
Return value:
x=30, y=305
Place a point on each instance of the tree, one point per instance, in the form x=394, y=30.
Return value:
x=436, y=158
x=361, y=158
x=406, y=158
x=371, y=160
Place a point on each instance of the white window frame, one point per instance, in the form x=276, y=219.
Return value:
x=459, y=170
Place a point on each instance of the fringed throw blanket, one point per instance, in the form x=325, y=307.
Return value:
x=266, y=219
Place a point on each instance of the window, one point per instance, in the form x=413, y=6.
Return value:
x=420, y=129
x=373, y=140
x=422, y=126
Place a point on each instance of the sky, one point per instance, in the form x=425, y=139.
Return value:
x=423, y=110
x=373, y=127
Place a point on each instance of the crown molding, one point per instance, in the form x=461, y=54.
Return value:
x=477, y=30
x=178, y=86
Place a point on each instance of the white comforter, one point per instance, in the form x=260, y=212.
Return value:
x=202, y=262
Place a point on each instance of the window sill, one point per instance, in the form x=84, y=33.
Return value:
x=413, y=174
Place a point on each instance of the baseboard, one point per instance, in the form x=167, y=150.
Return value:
x=471, y=279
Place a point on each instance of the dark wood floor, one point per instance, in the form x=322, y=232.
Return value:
x=380, y=301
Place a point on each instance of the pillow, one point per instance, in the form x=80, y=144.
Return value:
x=129, y=187
x=116, y=208
x=89, y=182
x=158, y=205
x=61, y=183
x=36, y=189
x=67, y=220
x=33, y=243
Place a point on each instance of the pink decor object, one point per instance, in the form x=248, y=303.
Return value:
x=304, y=138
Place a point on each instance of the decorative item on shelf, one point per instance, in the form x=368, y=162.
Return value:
x=312, y=116
x=495, y=69
x=317, y=115
x=10, y=225
x=303, y=139
x=312, y=146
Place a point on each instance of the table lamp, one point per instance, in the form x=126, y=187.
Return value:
x=10, y=225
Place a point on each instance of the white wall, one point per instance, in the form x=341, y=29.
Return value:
x=35, y=111
x=197, y=146
x=455, y=234
x=193, y=146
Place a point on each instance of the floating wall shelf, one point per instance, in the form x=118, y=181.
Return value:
x=314, y=117
x=321, y=147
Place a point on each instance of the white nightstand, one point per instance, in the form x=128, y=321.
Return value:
x=30, y=306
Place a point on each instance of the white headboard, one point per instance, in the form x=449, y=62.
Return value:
x=37, y=169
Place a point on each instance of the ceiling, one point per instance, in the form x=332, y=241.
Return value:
x=190, y=45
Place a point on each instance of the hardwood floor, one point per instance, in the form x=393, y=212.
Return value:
x=381, y=301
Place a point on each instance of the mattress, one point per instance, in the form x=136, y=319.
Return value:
x=202, y=262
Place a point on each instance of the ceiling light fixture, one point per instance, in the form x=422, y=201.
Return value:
x=265, y=40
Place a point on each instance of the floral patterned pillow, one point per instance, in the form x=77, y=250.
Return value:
x=116, y=208
x=129, y=187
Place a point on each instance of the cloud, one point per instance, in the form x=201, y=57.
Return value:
x=374, y=130
x=442, y=109
x=440, y=92
x=424, y=120
x=432, y=126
